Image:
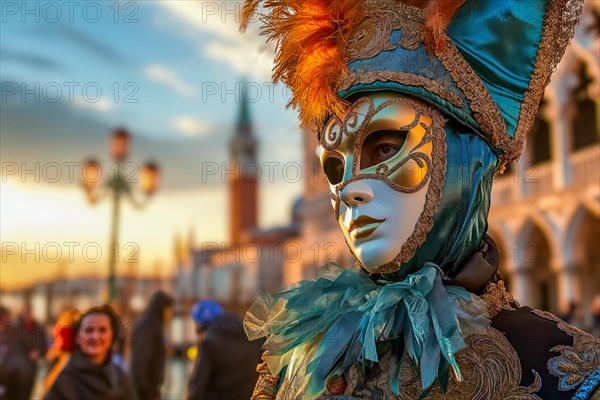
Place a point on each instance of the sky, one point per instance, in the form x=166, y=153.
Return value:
x=173, y=74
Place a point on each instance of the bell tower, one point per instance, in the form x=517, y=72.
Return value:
x=243, y=189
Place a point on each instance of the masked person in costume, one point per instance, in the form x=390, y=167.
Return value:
x=416, y=104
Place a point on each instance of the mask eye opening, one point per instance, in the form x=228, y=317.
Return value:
x=333, y=167
x=381, y=145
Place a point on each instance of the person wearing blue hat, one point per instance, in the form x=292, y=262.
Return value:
x=206, y=311
x=416, y=104
x=225, y=367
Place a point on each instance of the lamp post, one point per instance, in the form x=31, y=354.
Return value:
x=118, y=187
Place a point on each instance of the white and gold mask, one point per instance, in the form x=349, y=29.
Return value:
x=385, y=162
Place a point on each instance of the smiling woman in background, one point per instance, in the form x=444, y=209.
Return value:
x=90, y=373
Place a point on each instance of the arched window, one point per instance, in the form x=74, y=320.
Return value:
x=536, y=254
x=585, y=118
x=582, y=239
x=532, y=255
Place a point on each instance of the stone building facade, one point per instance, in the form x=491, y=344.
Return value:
x=545, y=212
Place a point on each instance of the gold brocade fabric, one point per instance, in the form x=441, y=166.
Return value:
x=497, y=299
x=490, y=366
x=266, y=386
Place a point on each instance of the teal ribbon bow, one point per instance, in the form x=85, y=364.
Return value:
x=322, y=327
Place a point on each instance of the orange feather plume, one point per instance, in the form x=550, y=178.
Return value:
x=309, y=58
x=438, y=15
x=311, y=36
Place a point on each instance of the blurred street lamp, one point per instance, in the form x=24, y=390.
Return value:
x=119, y=144
x=149, y=178
x=119, y=186
x=90, y=176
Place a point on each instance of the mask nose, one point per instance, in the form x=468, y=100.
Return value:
x=356, y=193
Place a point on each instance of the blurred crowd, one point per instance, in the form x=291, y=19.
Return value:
x=89, y=356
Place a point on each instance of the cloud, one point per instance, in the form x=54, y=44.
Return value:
x=190, y=126
x=30, y=59
x=83, y=40
x=164, y=75
x=255, y=64
x=221, y=18
x=246, y=54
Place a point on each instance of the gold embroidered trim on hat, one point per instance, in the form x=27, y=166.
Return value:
x=383, y=17
x=497, y=299
x=485, y=109
x=558, y=30
x=575, y=363
x=266, y=385
x=404, y=78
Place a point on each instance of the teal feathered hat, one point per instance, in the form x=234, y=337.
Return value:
x=485, y=63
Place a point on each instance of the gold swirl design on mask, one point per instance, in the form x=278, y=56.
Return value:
x=332, y=136
x=353, y=122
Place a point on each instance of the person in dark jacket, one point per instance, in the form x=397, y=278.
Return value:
x=148, y=349
x=14, y=363
x=90, y=373
x=226, y=364
x=32, y=343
